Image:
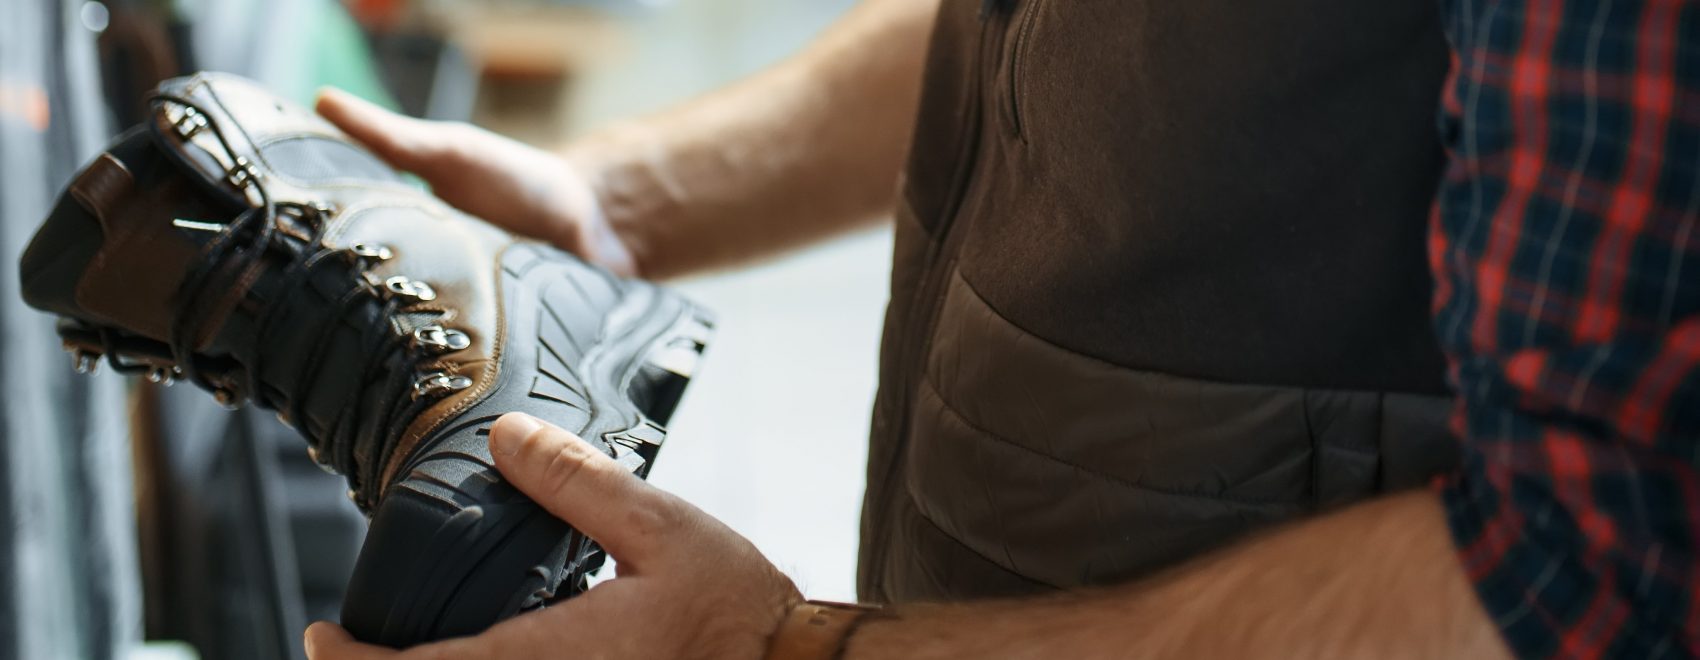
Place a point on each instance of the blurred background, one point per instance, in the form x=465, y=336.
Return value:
x=140, y=512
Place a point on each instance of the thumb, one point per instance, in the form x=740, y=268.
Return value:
x=586, y=488
x=403, y=141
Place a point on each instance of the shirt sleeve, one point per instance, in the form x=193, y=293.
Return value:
x=1566, y=253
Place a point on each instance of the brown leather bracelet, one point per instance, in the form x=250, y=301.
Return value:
x=816, y=630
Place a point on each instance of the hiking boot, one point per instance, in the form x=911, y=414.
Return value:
x=239, y=242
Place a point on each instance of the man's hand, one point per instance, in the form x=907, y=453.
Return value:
x=688, y=586
x=527, y=191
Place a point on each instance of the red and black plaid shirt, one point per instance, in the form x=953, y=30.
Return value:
x=1566, y=246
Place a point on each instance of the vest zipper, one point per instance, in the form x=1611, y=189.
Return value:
x=1017, y=58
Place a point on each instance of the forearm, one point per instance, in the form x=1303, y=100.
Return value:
x=1379, y=580
x=807, y=148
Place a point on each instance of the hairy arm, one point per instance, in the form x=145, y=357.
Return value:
x=1379, y=580
x=800, y=151
x=807, y=148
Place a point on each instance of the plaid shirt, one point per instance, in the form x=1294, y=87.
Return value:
x=1566, y=248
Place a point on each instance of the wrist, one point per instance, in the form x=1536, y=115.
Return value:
x=818, y=630
x=583, y=221
x=618, y=201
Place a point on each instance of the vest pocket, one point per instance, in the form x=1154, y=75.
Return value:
x=1068, y=470
x=1071, y=471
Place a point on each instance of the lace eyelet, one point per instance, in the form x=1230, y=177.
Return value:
x=313, y=454
x=191, y=123
x=440, y=383
x=227, y=399
x=402, y=286
x=85, y=362
x=164, y=376
x=242, y=173
x=439, y=340
x=371, y=252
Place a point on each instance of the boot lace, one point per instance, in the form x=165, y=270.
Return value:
x=237, y=253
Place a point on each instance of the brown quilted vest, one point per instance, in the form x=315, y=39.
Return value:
x=1159, y=281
